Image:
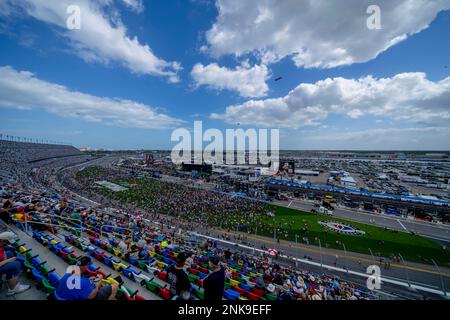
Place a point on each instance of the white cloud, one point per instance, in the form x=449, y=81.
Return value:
x=102, y=37
x=406, y=96
x=23, y=90
x=135, y=5
x=315, y=33
x=248, y=81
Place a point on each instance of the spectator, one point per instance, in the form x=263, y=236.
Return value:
x=88, y=288
x=227, y=254
x=270, y=288
x=178, y=279
x=144, y=256
x=4, y=212
x=278, y=279
x=9, y=265
x=214, y=282
x=123, y=245
x=285, y=294
x=141, y=243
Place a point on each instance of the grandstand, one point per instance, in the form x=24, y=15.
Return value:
x=33, y=152
x=425, y=203
x=354, y=191
x=19, y=158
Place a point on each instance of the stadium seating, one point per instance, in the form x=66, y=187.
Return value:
x=124, y=293
x=245, y=274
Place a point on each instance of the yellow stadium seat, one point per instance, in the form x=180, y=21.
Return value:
x=234, y=282
x=110, y=281
x=117, y=266
x=22, y=249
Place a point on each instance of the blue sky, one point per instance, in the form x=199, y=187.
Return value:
x=102, y=87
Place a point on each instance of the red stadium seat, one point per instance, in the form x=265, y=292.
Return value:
x=204, y=270
x=240, y=290
x=164, y=293
x=162, y=275
x=257, y=292
x=193, y=271
x=251, y=296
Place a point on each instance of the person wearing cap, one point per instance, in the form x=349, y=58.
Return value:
x=285, y=292
x=9, y=265
x=178, y=280
x=271, y=288
x=85, y=288
x=214, y=282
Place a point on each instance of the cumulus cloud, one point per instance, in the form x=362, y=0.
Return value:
x=102, y=37
x=320, y=34
x=23, y=90
x=406, y=96
x=248, y=81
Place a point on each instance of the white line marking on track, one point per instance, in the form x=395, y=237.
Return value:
x=402, y=225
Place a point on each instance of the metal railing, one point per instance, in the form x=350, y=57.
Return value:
x=8, y=137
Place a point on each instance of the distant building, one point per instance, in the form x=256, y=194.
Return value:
x=148, y=159
x=348, y=181
x=206, y=168
x=413, y=179
x=301, y=172
x=436, y=155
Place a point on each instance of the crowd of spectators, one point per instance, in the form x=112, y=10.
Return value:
x=34, y=195
x=194, y=206
x=283, y=282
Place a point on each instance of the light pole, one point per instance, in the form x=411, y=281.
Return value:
x=442, y=279
x=406, y=270
x=373, y=258
x=256, y=240
x=275, y=236
x=296, y=250
x=320, y=249
x=345, y=255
